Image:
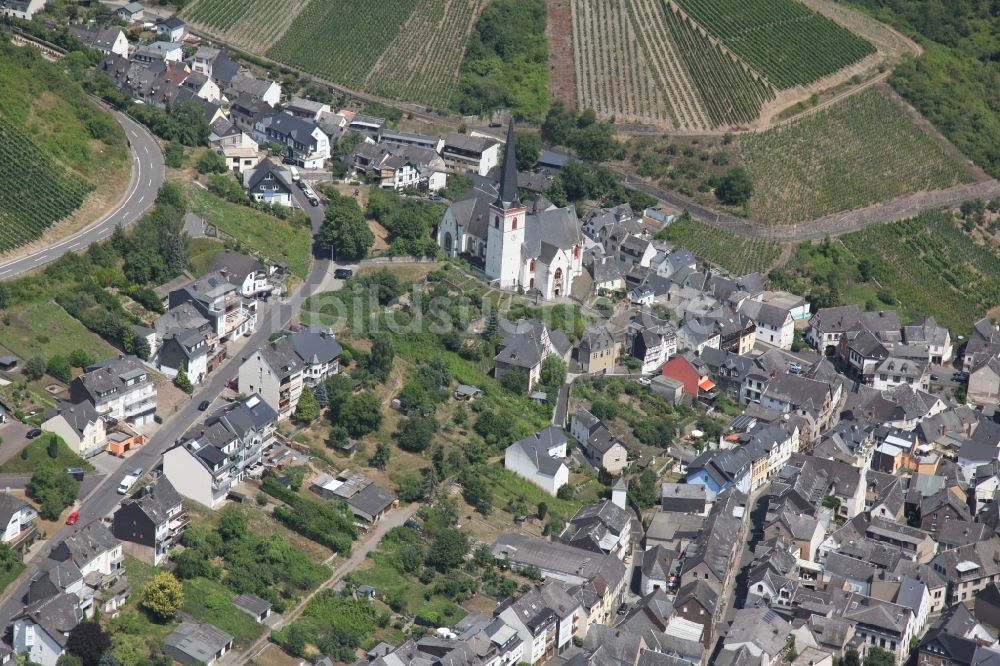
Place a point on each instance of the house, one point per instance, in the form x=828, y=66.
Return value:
x=245, y=83
x=189, y=349
x=209, y=460
x=204, y=89
x=247, y=113
x=800, y=395
x=651, y=340
x=525, y=346
x=828, y=325
x=92, y=549
x=683, y=498
x=41, y=631
x=269, y=183
x=541, y=459
x=533, y=247
x=656, y=569
x=984, y=378
x=279, y=371
x=304, y=142
x=247, y=273
x=720, y=470
x=257, y=608
x=166, y=52
x=601, y=447
x=368, y=126
x=151, y=522
x=197, y=644
x=399, y=138
x=680, y=369
x=171, y=29
x=106, y=39
x=218, y=300
x=969, y=569
x=696, y=602
x=79, y=425
x=462, y=153
x=775, y=325
x=544, y=631
x=120, y=388
x=132, y=12
x=307, y=109
x=367, y=501
x=18, y=520
x=603, y=528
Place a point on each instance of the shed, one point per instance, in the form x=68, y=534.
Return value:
x=366, y=591
x=253, y=605
x=8, y=362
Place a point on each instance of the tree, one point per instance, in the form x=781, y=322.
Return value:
x=360, y=414
x=831, y=502
x=80, y=358
x=182, y=381
x=566, y=492
x=515, y=380
x=851, y=657
x=543, y=509
x=321, y=395
x=879, y=657
x=553, y=371
x=232, y=524
x=34, y=368
x=344, y=229
x=735, y=188
x=173, y=155
x=338, y=437
x=163, y=596
x=477, y=492
x=307, y=410
x=527, y=149
x=191, y=563
x=382, y=354
x=415, y=433
x=448, y=550
x=380, y=458
x=212, y=162
x=53, y=488
x=53, y=449
x=59, y=368
x=89, y=642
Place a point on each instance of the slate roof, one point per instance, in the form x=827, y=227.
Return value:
x=265, y=167
x=92, y=540
x=537, y=446
x=235, y=264
x=252, y=604
x=9, y=505
x=315, y=348
x=156, y=500
x=77, y=415
x=371, y=500
x=56, y=615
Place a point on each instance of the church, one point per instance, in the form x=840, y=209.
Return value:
x=534, y=245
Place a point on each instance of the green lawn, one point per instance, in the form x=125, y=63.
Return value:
x=201, y=254
x=7, y=577
x=263, y=234
x=45, y=329
x=208, y=601
x=140, y=625
x=389, y=583
x=38, y=451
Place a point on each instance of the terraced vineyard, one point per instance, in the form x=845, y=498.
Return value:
x=784, y=40
x=859, y=151
x=253, y=26
x=738, y=254
x=36, y=191
x=422, y=63
x=644, y=62
x=932, y=267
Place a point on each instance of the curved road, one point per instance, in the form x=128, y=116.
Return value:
x=147, y=176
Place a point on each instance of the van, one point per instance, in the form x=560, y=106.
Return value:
x=295, y=174
x=129, y=481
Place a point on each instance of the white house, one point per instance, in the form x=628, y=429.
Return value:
x=269, y=183
x=305, y=142
x=17, y=518
x=775, y=325
x=541, y=459
x=22, y=9
x=42, y=630
x=120, y=389
x=107, y=40
x=132, y=12
x=171, y=29
x=79, y=425
x=92, y=548
x=463, y=153
x=213, y=457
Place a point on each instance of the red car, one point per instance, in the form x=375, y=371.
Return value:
x=72, y=518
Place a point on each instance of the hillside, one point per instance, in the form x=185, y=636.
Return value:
x=56, y=148
x=696, y=65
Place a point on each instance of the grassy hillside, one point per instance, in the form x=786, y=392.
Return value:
x=857, y=152
x=56, y=146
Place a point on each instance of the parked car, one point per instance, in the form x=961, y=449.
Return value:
x=203, y=405
x=33, y=433
x=72, y=518
x=623, y=609
x=295, y=174
x=343, y=273
x=314, y=201
x=960, y=377
x=934, y=377
x=645, y=381
x=302, y=185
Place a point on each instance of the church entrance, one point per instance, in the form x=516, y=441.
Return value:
x=558, y=279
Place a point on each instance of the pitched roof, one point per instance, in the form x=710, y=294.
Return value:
x=198, y=640
x=537, y=446
x=508, y=196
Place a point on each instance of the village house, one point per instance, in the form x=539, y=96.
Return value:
x=600, y=447
x=106, y=39
x=269, y=183
x=462, y=153
x=541, y=459
x=304, y=141
x=18, y=520
x=120, y=388
x=151, y=522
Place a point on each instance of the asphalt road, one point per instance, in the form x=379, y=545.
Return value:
x=104, y=499
x=147, y=176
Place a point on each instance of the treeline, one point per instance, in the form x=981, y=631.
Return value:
x=955, y=83
x=506, y=64
x=590, y=138
x=578, y=182
x=326, y=524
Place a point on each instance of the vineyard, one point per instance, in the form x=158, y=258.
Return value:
x=784, y=40
x=860, y=151
x=253, y=26
x=645, y=62
x=36, y=191
x=932, y=267
x=738, y=254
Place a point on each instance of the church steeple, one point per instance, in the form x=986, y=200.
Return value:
x=508, y=197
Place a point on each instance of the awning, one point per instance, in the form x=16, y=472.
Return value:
x=706, y=384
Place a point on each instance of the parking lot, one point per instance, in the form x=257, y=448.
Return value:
x=13, y=435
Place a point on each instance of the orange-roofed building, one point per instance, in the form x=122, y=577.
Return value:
x=680, y=368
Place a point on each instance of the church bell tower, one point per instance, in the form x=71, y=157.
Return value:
x=506, y=226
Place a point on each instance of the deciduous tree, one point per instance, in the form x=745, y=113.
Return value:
x=163, y=596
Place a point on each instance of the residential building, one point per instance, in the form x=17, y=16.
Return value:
x=151, y=522
x=541, y=459
x=775, y=325
x=245, y=83
x=18, y=520
x=221, y=302
x=269, y=183
x=597, y=351
x=984, y=377
x=171, y=29
x=79, y=425
x=247, y=273
x=279, y=371
x=209, y=460
x=93, y=549
x=367, y=501
x=525, y=346
x=303, y=140
x=41, y=631
x=307, y=109
x=969, y=569
x=399, y=138
x=132, y=12
x=603, y=528
x=106, y=39
x=120, y=388
x=462, y=153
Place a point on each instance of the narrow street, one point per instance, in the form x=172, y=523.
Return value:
x=358, y=555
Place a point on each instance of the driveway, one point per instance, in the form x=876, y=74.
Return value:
x=12, y=436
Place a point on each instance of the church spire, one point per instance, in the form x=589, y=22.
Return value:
x=508, y=196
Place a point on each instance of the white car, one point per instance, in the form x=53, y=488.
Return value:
x=645, y=381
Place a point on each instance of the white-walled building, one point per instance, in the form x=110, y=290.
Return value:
x=79, y=425
x=541, y=459
x=121, y=388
